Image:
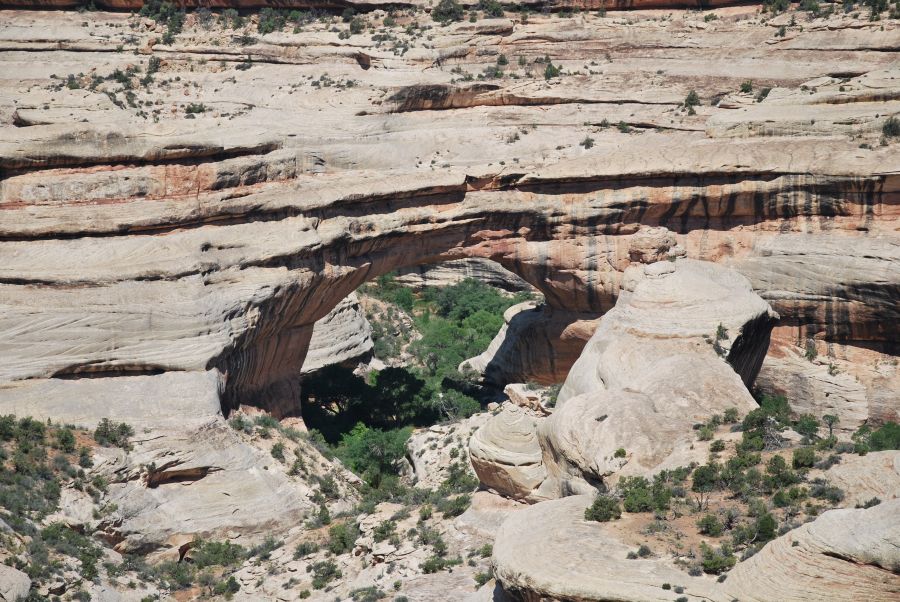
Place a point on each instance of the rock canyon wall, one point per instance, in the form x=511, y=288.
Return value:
x=182, y=220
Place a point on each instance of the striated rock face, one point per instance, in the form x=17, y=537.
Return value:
x=452, y=272
x=161, y=266
x=579, y=559
x=842, y=555
x=875, y=475
x=343, y=336
x=539, y=342
x=506, y=454
x=684, y=342
x=432, y=452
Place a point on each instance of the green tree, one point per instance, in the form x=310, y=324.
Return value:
x=807, y=425
x=447, y=11
x=604, y=509
x=830, y=420
x=373, y=453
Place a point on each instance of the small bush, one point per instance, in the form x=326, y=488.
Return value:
x=891, y=128
x=341, y=537
x=551, y=71
x=454, y=506
x=715, y=562
x=747, y=87
x=604, y=509
x=305, y=548
x=278, y=451
x=803, y=457
x=324, y=573
x=620, y=453
x=447, y=11
x=710, y=525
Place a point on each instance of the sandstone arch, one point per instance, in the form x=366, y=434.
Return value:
x=233, y=283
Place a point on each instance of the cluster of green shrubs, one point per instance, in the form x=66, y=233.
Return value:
x=36, y=461
x=113, y=434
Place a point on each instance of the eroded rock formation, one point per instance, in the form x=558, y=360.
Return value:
x=684, y=342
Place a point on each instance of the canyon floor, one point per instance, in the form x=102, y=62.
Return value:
x=613, y=295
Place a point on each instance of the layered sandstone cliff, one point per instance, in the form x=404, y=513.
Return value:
x=171, y=241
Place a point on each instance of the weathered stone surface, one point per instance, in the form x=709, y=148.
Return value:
x=343, y=336
x=14, y=584
x=875, y=475
x=539, y=342
x=575, y=559
x=843, y=555
x=132, y=247
x=157, y=269
x=433, y=450
x=202, y=483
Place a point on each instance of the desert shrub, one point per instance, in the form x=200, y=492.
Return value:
x=710, y=525
x=65, y=440
x=491, y=8
x=551, y=71
x=886, y=437
x=604, y=509
x=113, y=434
x=891, y=129
x=453, y=506
x=620, y=453
x=278, y=451
x=766, y=526
x=807, y=425
x=820, y=489
x=373, y=453
x=803, y=457
x=341, y=537
x=305, y=548
x=716, y=561
x=324, y=573
x=227, y=588
x=367, y=594
x=270, y=19
x=447, y=11
x=639, y=495
x=213, y=553
x=384, y=530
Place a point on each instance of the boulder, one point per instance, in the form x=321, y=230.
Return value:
x=506, y=454
x=683, y=342
x=14, y=584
